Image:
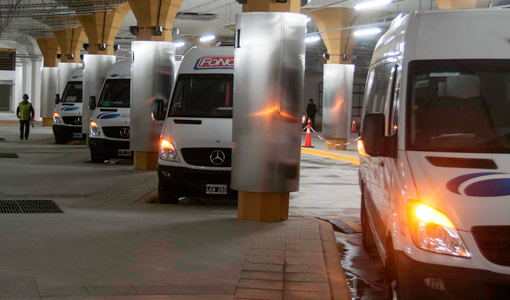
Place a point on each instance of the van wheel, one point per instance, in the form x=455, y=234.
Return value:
x=392, y=289
x=97, y=159
x=367, y=236
x=167, y=198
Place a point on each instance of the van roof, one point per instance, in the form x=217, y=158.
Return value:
x=120, y=70
x=208, y=60
x=76, y=75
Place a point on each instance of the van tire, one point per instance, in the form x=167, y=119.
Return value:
x=367, y=236
x=167, y=198
x=392, y=289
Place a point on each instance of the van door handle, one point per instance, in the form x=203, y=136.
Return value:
x=381, y=163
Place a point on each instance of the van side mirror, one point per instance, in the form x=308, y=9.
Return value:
x=92, y=102
x=158, y=110
x=374, y=140
x=57, y=99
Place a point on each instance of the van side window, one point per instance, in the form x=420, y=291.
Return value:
x=392, y=117
x=378, y=85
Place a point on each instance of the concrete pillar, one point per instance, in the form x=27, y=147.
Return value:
x=49, y=48
x=27, y=79
x=266, y=206
x=340, y=44
x=150, y=14
x=458, y=4
x=102, y=28
x=35, y=89
x=71, y=41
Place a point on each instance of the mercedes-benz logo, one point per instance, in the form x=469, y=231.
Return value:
x=77, y=121
x=217, y=157
x=124, y=132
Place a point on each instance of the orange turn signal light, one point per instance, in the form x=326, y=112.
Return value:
x=93, y=124
x=361, y=148
x=56, y=115
x=166, y=144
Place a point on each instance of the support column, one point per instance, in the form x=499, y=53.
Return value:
x=265, y=173
x=458, y=4
x=35, y=90
x=49, y=48
x=150, y=15
x=340, y=45
x=71, y=41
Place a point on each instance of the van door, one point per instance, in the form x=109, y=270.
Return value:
x=379, y=89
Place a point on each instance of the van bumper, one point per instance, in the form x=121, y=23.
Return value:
x=184, y=182
x=108, y=148
x=66, y=132
x=459, y=283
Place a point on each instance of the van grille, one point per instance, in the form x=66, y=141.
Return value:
x=493, y=242
x=117, y=132
x=72, y=120
x=202, y=157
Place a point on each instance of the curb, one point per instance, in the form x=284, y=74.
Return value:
x=337, y=280
x=353, y=160
x=150, y=197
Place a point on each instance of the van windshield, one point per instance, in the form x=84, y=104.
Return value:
x=459, y=106
x=116, y=93
x=203, y=96
x=72, y=92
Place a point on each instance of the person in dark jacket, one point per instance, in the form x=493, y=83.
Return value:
x=311, y=111
x=25, y=113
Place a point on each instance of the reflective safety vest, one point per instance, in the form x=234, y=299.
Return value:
x=24, y=111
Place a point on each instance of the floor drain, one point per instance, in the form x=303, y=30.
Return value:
x=9, y=155
x=29, y=207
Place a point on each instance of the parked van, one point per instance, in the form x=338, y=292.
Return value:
x=109, y=128
x=435, y=155
x=196, y=140
x=68, y=110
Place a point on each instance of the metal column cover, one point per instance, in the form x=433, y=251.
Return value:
x=268, y=91
x=152, y=77
x=95, y=68
x=64, y=71
x=337, y=100
x=49, y=77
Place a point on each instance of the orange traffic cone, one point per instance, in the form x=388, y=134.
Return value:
x=353, y=127
x=308, y=138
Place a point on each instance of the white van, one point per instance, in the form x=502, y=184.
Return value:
x=109, y=127
x=68, y=110
x=196, y=140
x=435, y=155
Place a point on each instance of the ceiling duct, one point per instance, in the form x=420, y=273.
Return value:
x=196, y=16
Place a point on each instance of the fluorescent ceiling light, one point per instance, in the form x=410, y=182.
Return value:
x=308, y=19
x=312, y=39
x=179, y=44
x=371, y=4
x=367, y=31
x=207, y=38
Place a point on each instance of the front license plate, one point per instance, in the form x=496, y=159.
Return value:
x=216, y=189
x=77, y=135
x=124, y=152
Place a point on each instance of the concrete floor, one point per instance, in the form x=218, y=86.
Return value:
x=103, y=240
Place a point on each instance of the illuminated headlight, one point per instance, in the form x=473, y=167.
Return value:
x=431, y=230
x=94, y=129
x=56, y=118
x=167, y=151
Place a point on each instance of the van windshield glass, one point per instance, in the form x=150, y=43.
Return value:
x=72, y=92
x=459, y=106
x=203, y=96
x=115, y=93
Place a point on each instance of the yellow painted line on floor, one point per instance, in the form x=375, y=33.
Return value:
x=335, y=156
x=353, y=225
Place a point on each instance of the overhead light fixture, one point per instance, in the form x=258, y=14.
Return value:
x=308, y=19
x=207, y=38
x=312, y=39
x=179, y=44
x=367, y=31
x=371, y=4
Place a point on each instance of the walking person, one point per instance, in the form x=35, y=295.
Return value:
x=311, y=111
x=25, y=113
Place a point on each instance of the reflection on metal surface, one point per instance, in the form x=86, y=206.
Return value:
x=49, y=77
x=268, y=92
x=94, y=73
x=337, y=100
x=152, y=77
x=64, y=71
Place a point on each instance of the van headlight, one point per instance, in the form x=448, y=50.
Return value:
x=56, y=118
x=167, y=151
x=95, y=130
x=433, y=231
